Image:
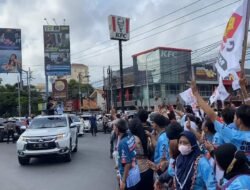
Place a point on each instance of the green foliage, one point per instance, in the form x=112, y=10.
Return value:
x=73, y=89
x=9, y=100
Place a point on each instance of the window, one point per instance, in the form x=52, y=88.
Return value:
x=157, y=90
x=172, y=89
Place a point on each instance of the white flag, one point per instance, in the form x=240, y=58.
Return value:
x=222, y=92
x=189, y=98
x=236, y=81
x=214, y=96
x=231, y=45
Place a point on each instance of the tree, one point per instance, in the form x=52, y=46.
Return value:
x=73, y=89
x=9, y=100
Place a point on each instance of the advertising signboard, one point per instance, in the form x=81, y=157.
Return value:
x=203, y=72
x=57, y=50
x=10, y=50
x=118, y=28
x=60, y=89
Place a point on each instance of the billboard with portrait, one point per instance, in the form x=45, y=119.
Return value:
x=204, y=72
x=57, y=50
x=10, y=50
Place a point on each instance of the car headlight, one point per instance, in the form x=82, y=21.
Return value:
x=61, y=136
x=21, y=138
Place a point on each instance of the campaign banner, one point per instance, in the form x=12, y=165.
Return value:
x=10, y=50
x=60, y=89
x=231, y=46
x=57, y=50
x=205, y=72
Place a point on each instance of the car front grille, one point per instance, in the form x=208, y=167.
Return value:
x=41, y=143
x=41, y=146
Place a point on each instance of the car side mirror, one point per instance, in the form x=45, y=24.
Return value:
x=72, y=125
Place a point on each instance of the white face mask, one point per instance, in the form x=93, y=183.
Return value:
x=185, y=149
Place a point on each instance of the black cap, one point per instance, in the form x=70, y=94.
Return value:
x=160, y=120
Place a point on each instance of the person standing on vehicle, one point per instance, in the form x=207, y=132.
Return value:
x=93, y=125
x=50, y=106
x=10, y=128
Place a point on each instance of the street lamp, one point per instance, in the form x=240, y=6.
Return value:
x=147, y=78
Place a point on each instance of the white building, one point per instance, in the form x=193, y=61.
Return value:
x=79, y=70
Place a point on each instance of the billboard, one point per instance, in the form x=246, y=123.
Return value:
x=205, y=72
x=10, y=50
x=57, y=50
x=60, y=89
x=118, y=28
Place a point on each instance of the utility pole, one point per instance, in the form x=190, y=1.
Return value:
x=111, y=89
x=108, y=89
x=121, y=75
x=29, y=77
x=79, y=91
x=19, y=101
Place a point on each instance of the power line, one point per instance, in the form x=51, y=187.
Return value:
x=174, y=20
x=146, y=24
x=190, y=20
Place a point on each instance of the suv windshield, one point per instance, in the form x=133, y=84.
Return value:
x=49, y=122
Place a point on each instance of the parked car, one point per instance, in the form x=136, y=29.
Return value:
x=3, y=133
x=48, y=135
x=99, y=123
x=86, y=120
x=100, y=126
x=80, y=124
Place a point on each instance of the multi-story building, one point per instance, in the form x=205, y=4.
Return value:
x=79, y=70
x=161, y=74
x=157, y=76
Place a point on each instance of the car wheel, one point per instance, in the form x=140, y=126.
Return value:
x=68, y=156
x=23, y=161
x=76, y=147
x=1, y=136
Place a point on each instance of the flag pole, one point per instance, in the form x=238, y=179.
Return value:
x=244, y=49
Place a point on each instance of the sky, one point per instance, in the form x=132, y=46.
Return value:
x=190, y=24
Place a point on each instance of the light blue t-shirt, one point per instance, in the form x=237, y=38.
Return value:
x=205, y=178
x=218, y=139
x=241, y=182
x=161, y=148
x=241, y=139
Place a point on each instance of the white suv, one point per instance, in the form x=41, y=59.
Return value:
x=48, y=135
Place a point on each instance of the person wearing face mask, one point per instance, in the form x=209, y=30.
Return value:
x=235, y=166
x=192, y=169
x=173, y=131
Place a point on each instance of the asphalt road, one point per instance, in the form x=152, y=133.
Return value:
x=90, y=168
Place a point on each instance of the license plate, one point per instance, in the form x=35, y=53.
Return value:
x=40, y=145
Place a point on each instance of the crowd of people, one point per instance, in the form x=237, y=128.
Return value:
x=196, y=148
